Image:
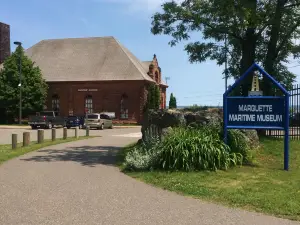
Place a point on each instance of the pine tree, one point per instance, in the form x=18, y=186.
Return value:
x=172, y=102
x=34, y=87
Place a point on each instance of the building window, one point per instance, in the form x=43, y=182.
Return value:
x=89, y=104
x=55, y=103
x=124, y=107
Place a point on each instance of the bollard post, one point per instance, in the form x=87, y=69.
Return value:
x=14, y=141
x=65, y=134
x=53, y=134
x=87, y=131
x=40, y=136
x=76, y=132
x=26, y=138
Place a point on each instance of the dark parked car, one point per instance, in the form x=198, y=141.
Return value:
x=46, y=119
x=75, y=121
x=295, y=119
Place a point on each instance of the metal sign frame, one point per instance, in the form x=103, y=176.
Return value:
x=285, y=106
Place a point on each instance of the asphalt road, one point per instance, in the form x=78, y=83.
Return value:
x=5, y=134
x=76, y=183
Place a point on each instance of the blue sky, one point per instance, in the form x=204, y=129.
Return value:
x=129, y=21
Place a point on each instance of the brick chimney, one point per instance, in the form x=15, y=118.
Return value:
x=4, y=41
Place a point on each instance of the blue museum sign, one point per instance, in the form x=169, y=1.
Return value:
x=257, y=111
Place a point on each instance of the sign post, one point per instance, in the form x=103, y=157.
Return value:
x=257, y=111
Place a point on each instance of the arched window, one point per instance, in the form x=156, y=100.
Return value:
x=89, y=104
x=124, y=107
x=55, y=103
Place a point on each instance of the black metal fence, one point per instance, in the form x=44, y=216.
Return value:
x=294, y=116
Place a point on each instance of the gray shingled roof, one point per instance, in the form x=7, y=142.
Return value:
x=86, y=59
x=146, y=65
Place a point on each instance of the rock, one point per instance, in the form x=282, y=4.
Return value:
x=253, y=138
x=166, y=131
x=204, y=117
x=165, y=120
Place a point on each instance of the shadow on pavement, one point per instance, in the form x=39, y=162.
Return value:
x=85, y=155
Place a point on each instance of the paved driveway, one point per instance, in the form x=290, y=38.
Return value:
x=5, y=134
x=75, y=183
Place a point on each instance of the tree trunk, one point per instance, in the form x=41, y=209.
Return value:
x=248, y=58
x=248, y=46
x=272, y=52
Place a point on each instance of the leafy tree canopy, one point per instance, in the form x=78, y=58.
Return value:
x=259, y=31
x=34, y=87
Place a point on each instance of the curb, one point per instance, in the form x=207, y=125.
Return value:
x=15, y=127
x=122, y=127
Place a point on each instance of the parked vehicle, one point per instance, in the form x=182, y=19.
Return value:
x=295, y=119
x=98, y=120
x=46, y=119
x=112, y=115
x=75, y=121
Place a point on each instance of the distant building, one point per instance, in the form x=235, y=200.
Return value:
x=96, y=75
x=4, y=41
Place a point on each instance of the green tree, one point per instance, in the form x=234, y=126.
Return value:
x=150, y=98
x=34, y=87
x=257, y=31
x=172, y=102
x=156, y=97
x=153, y=97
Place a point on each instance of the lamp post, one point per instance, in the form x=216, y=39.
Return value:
x=19, y=44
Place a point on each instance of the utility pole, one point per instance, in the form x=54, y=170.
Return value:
x=19, y=44
x=226, y=74
x=167, y=78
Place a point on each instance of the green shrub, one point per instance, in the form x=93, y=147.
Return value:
x=239, y=143
x=186, y=149
x=195, y=108
x=143, y=156
x=196, y=149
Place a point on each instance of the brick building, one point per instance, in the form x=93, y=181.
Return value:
x=95, y=75
x=4, y=42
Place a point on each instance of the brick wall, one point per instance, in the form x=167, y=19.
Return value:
x=4, y=42
x=106, y=97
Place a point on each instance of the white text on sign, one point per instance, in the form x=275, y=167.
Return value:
x=255, y=117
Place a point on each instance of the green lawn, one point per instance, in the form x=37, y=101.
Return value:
x=264, y=188
x=6, y=153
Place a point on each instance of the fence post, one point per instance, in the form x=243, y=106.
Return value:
x=53, y=134
x=76, y=132
x=14, y=141
x=87, y=131
x=65, y=134
x=40, y=136
x=26, y=138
